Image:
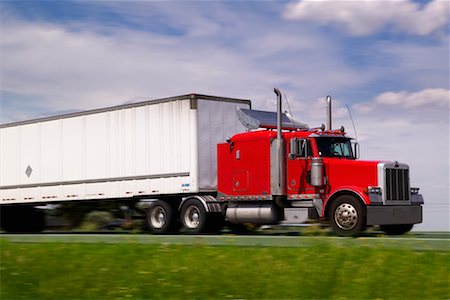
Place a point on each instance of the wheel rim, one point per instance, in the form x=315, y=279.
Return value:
x=192, y=217
x=346, y=216
x=158, y=217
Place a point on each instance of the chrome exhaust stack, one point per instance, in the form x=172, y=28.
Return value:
x=279, y=112
x=329, y=113
x=277, y=166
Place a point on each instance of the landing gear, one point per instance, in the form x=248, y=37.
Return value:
x=347, y=215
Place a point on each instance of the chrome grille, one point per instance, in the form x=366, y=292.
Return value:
x=397, y=184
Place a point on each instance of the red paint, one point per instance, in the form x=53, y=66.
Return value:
x=244, y=168
x=244, y=164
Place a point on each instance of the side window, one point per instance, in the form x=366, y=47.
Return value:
x=336, y=149
x=341, y=149
x=347, y=150
x=300, y=148
x=305, y=148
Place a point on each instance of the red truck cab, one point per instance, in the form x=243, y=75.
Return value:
x=321, y=173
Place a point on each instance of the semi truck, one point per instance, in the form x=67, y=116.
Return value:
x=201, y=162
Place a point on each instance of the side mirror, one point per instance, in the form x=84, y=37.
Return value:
x=293, y=153
x=356, y=150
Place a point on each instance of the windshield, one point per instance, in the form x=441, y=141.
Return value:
x=334, y=147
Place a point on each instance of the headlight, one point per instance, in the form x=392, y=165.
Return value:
x=414, y=191
x=373, y=190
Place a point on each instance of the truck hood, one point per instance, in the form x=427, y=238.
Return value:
x=348, y=173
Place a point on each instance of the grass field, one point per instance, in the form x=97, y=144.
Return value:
x=323, y=270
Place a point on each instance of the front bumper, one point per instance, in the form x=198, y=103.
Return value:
x=390, y=214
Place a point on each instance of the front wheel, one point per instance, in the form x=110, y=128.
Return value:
x=396, y=229
x=347, y=215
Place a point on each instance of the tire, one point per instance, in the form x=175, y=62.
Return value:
x=161, y=218
x=215, y=222
x=22, y=219
x=348, y=216
x=396, y=229
x=193, y=217
x=37, y=221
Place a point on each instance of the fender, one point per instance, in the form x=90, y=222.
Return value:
x=356, y=191
x=209, y=203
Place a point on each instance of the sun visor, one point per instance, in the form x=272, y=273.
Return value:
x=254, y=119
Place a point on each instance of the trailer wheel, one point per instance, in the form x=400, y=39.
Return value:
x=396, y=229
x=347, y=216
x=161, y=218
x=22, y=219
x=193, y=216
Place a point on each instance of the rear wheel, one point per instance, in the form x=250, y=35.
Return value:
x=161, y=218
x=193, y=216
x=347, y=215
x=398, y=229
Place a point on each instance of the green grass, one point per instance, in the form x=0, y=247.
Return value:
x=133, y=271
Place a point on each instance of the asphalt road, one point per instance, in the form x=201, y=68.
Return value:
x=415, y=241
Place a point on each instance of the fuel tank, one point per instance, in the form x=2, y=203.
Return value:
x=255, y=213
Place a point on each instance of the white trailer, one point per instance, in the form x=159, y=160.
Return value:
x=152, y=149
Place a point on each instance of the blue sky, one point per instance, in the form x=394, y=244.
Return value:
x=388, y=60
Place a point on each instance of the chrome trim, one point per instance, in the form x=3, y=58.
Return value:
x=209, y=203
x=213, y=204
x=202, y=199
x=380, y=174
x=224, y=197
x=382, y=168
x=303, y=196
x=277, y=165
x=414, y=190
x=277, y=168
x=318, y=205
x=308, y=203
x=319, y=135
x=346, y=216
x=257, y=213
x=329, y=113
x=317, y=171
x=191, y=217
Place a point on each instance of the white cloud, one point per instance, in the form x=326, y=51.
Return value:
x=75, y=66
x=429, y=99
x=85, y=69
x=367, y=16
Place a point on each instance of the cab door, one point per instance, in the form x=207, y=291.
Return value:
x=298, y=167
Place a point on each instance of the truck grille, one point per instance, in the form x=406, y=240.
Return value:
x=397, y=184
